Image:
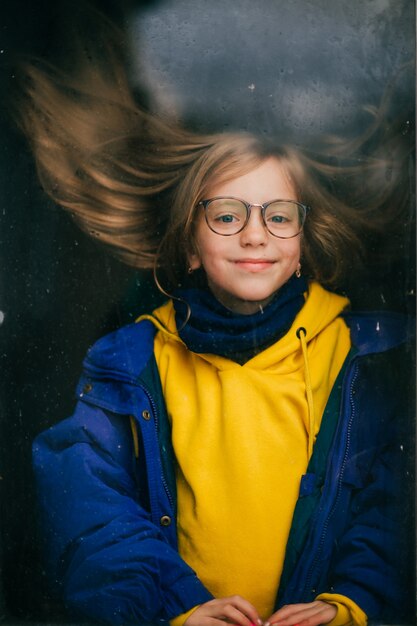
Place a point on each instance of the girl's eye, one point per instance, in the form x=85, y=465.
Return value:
x=226, y=218
x=278, y=219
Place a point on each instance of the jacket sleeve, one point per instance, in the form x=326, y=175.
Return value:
x=104, y=555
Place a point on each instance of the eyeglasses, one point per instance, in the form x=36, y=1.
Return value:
x=229, y=216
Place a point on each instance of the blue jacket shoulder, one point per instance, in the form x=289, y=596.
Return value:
x=124, y=352
x=379, y=331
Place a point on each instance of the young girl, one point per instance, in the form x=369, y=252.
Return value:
x=234, y=456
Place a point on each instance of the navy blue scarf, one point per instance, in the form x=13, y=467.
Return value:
x=214, y=329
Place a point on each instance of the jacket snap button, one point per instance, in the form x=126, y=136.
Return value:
x=87, y=387
x=165, y=520
x=146, y=415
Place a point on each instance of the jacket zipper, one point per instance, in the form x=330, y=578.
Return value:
x=155, y=412
x=316, y=558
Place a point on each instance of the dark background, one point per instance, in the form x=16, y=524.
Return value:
x=298, y=68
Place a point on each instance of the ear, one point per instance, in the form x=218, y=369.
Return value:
x=194, y=261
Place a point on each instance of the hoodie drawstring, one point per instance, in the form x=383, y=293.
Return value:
x=301, y=334
x=134, y=429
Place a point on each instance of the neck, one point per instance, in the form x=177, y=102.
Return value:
x=238, y=306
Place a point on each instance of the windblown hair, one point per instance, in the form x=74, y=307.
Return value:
x=133, y=180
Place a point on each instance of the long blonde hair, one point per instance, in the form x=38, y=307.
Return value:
x=133, y=180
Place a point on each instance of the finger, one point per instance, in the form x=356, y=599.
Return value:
x=283, y=613
x=232, y=608
x=287, y=610
x=310, y=614
x=234, y=616
x=324, y=615
x=245, y=607
x=212, y=621
x=209, y=621
x=291, y=613
x=204, y=620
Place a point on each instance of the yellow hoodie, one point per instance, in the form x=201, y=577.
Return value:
x=241, y=439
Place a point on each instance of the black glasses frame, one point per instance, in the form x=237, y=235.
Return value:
x=205, y=204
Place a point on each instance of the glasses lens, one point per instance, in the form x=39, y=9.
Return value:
x=284, y=218
x=226, y=216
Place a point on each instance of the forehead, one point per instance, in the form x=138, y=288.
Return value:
x=265, y=181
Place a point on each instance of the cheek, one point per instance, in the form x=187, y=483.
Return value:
x=292, y=251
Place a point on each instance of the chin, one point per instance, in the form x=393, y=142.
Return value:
x=258, y=297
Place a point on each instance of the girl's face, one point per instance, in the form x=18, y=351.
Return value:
x=245, y=270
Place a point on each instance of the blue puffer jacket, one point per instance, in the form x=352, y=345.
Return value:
x=108, y=517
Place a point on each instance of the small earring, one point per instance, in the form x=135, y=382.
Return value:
x=190, y=270
x=298, y=271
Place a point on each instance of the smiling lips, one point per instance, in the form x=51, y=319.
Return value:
x=254, y=265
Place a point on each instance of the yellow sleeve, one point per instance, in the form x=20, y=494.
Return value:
x=180, y=619
x=348, y=612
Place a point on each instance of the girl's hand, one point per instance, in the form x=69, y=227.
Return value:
x=233, y=610
x=311, y=614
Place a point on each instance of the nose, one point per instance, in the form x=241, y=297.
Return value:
x=255, y=232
